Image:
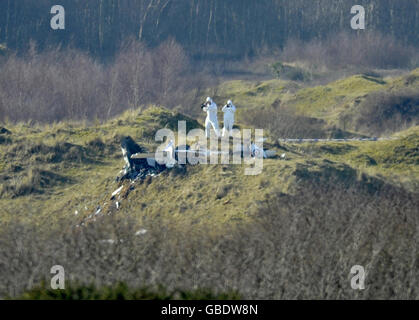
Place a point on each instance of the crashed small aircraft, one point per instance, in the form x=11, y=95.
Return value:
x=140, y=163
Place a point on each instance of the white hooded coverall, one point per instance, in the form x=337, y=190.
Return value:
x=211, y=120
x=229, y=111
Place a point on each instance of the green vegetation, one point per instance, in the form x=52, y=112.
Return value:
x=339, y=105
x=120, y=291
x=286, y=71
x=51, y=171
x=327, y=101
x=54, y=177
x=130, y=68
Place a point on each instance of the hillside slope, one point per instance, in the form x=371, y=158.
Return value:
x=293, y=231
x=51, y=173
x=340, y=108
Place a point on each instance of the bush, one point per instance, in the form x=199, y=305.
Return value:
x=284, y=123
x=120, y=291
x=362, y=50
x=388, y=112
x=31, y=181
x=68, y=84
x=283, y=71
x=297, y=246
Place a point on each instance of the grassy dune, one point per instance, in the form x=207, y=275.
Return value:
x=54, y=177
x=328, y=102
x=49, y=173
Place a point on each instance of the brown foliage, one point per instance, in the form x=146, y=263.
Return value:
x=68, y=84
x=387, y=112
x=300, y=246
x=369, y=49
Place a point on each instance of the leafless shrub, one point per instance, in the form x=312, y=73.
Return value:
x=387, y=112
x=282, y=122
x=298, y=246
x=68, y=84
x=370, y=49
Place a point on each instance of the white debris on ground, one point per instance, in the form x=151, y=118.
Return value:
x=139, y=166
x=141, y=232
x=111, y=241
x=283, y=156
x=117, y=191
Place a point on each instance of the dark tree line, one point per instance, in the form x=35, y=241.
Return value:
x=209, y=28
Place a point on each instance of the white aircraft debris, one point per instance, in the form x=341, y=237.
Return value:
x=141, y=232
x=117, y=191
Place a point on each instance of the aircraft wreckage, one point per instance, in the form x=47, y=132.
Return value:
x=139, y=163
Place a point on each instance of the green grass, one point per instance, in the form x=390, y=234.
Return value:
x=88, y=166
x=410, y=81
x=211, y=195
x=48, y=172
x=249, y=95
x=396, y=161
x=327, y=102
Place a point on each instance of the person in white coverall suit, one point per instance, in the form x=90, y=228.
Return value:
x=211, y=120
x=229, y=109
